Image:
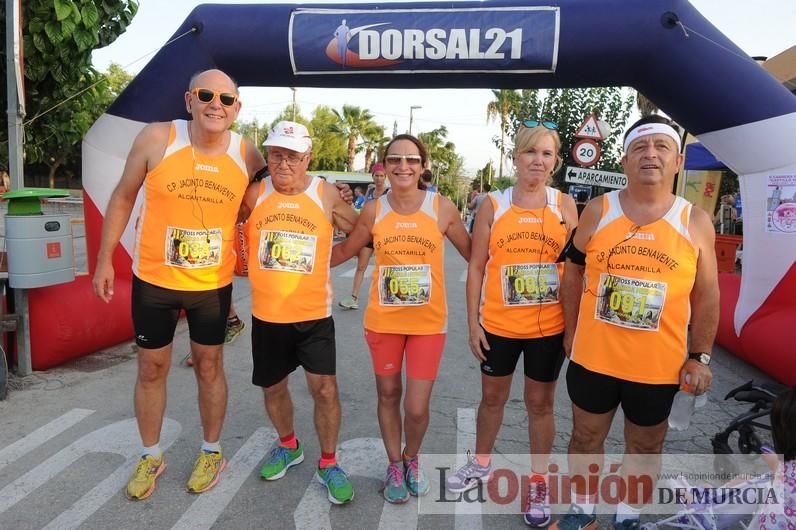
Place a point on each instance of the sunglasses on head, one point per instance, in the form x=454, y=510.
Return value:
x=206, y=95
x=536, y=123
x=411, y=160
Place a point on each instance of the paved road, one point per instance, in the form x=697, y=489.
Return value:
x=67, y=440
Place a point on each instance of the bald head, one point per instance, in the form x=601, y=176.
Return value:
x=203, y=78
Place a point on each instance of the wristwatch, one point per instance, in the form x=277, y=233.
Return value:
x=700, y=357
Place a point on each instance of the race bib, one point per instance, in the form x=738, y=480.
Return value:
x=193, y=249
x=404, y=284
x=630, y=302
x=529, y=284
x=287, y=251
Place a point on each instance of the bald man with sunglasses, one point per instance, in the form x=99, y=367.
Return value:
x=194, y=175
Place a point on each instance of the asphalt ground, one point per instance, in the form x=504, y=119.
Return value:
x=68, y=439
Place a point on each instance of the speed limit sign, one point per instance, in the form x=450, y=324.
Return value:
x=586, y=153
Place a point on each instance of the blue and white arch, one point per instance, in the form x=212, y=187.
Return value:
x=664, y=48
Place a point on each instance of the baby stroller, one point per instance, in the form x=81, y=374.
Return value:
x=761, y=397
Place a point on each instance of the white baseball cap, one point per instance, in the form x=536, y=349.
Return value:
x=290, y=135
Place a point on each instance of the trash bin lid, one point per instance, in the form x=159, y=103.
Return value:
x=27, y=201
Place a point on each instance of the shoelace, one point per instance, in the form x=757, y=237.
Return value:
x=335, y=476
x=145, y=467
x=279, y=453
x=537, y=491
x=394, y=475
x=207, y=461
x=472, y=466
x=413, y=467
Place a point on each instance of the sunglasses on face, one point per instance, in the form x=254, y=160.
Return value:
x=536, y=123
x=411, y=160
x=206, y=95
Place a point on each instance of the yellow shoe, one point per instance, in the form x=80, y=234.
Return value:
x=142, y=482
x=206, y=471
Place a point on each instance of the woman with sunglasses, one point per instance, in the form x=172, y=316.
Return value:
x=407, y=310
x=363, y=258
x=513, y=307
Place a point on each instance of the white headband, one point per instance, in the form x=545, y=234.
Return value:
x=652, y=128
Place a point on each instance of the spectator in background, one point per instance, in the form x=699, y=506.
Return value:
x=476, y=201
x=426, y=181
x=726, y=215
x=359, y=198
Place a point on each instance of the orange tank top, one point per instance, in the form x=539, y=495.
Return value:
x=290, y=237
x=634, y=313
x=407, y=294
x=186, y=222
x=520, y=292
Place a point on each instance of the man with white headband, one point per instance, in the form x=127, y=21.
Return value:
x=641, y=262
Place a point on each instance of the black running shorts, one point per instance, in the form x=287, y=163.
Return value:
x=278, y=349
x=542, y=357
x=644, y=404
x=156, y=311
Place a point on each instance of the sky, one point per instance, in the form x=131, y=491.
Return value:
x=760, y=28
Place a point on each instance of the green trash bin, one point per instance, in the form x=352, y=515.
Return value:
x=39, y=245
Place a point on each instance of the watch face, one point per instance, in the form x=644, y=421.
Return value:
x=703, y=358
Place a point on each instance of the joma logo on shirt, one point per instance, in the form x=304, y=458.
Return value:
x=292, y=205
x=522, y=220
x=206, y=167
x=649, y=236
x=405, y=225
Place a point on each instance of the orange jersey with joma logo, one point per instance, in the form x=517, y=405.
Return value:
x=407, y=294
x=186, y=222
x=290, y=237
x=520, y=293
x=634, y=313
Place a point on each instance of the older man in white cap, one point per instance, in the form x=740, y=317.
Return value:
x=290, y=230
x=640, y=270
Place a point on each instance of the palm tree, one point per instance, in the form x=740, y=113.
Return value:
x=645, y=106
x=504, y=103
x=352, y=123
x=373, y=137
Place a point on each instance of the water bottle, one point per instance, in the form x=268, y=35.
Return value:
x=682, y=410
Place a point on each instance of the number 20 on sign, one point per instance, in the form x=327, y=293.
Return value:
x=586, y=153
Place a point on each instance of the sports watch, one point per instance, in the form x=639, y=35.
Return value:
x=700, y=357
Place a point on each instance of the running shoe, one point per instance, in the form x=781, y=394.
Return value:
x=206, y=471
x=280, y=460
x=575, y=519
x=469, y=476
x=416, y=481
x=395, y=491
x=142, y=482
x=233, y=330
x=536, y=512
x=349, y=302
x=339, y=489
x=630, y=524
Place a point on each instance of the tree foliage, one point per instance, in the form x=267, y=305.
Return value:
x=352, y=122
x=501, y=108
x=58, y=38
x=568, y=107
x=329, y=150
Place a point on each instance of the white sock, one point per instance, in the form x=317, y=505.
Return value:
x=208, y=447
x=152, y=450
x=587, y=503
x=626, y=512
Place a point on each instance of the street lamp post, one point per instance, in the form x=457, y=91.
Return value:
x=412, y=115
x=294, y=103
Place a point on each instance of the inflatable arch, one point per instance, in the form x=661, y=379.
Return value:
x=663, y=48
